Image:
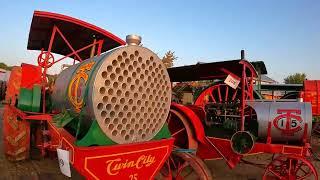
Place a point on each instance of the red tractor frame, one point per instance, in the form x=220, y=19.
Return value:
x=187, y=121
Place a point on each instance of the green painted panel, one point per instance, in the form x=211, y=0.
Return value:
x=163, y=133
x=25, y=99
x=36, y=98
x=62, y=119
x=95, y=137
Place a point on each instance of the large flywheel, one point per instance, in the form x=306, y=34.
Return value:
x=181, y=129
x=218, y=93
x=221, y=102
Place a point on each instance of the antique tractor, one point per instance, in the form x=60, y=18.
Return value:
x=108, y=110
x=111, y=110
x=228, y=120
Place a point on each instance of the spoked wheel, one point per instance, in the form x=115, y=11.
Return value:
x=218, y=93
x=45, y=59
x=16, y=132
x=181, y=130
x=222, y=102
x=184, y=166
x=290, y=168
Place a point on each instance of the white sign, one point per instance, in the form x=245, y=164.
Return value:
x=63, y=157
x=232, y=82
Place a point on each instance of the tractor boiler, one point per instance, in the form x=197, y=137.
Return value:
x=284, y=121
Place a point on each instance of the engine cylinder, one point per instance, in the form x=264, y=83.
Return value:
x=290, y=121
x=126, y=90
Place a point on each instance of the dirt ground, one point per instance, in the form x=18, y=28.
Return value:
x=48, y=169
x=243, y=171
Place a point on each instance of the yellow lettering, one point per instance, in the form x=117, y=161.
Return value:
x=115, y=166
x=150, y=161
x=140, y=162
x=109, y=165
x=131, y=164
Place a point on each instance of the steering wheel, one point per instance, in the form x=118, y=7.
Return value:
x=45, y=59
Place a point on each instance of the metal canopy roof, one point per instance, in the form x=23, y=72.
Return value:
x=207, y=71
x=260, y=67
x=77, y=32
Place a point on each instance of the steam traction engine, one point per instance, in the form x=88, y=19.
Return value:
x=228, y=120
x=108, y=110
x=111, y=110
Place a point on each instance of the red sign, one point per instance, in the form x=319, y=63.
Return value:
x=141, y=163
x=288, y=121
x=123, y=161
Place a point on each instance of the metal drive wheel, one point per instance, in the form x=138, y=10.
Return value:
x=218, y=93
x=289, y=168
x=16, y=132
x=180, y=128
x=184, y=166
x=222, y=102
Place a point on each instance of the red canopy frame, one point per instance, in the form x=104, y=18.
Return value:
x=69, y=37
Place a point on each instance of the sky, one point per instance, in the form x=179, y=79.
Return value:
x=284, y=34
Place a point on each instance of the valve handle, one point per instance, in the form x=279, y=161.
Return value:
x=45, y=59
